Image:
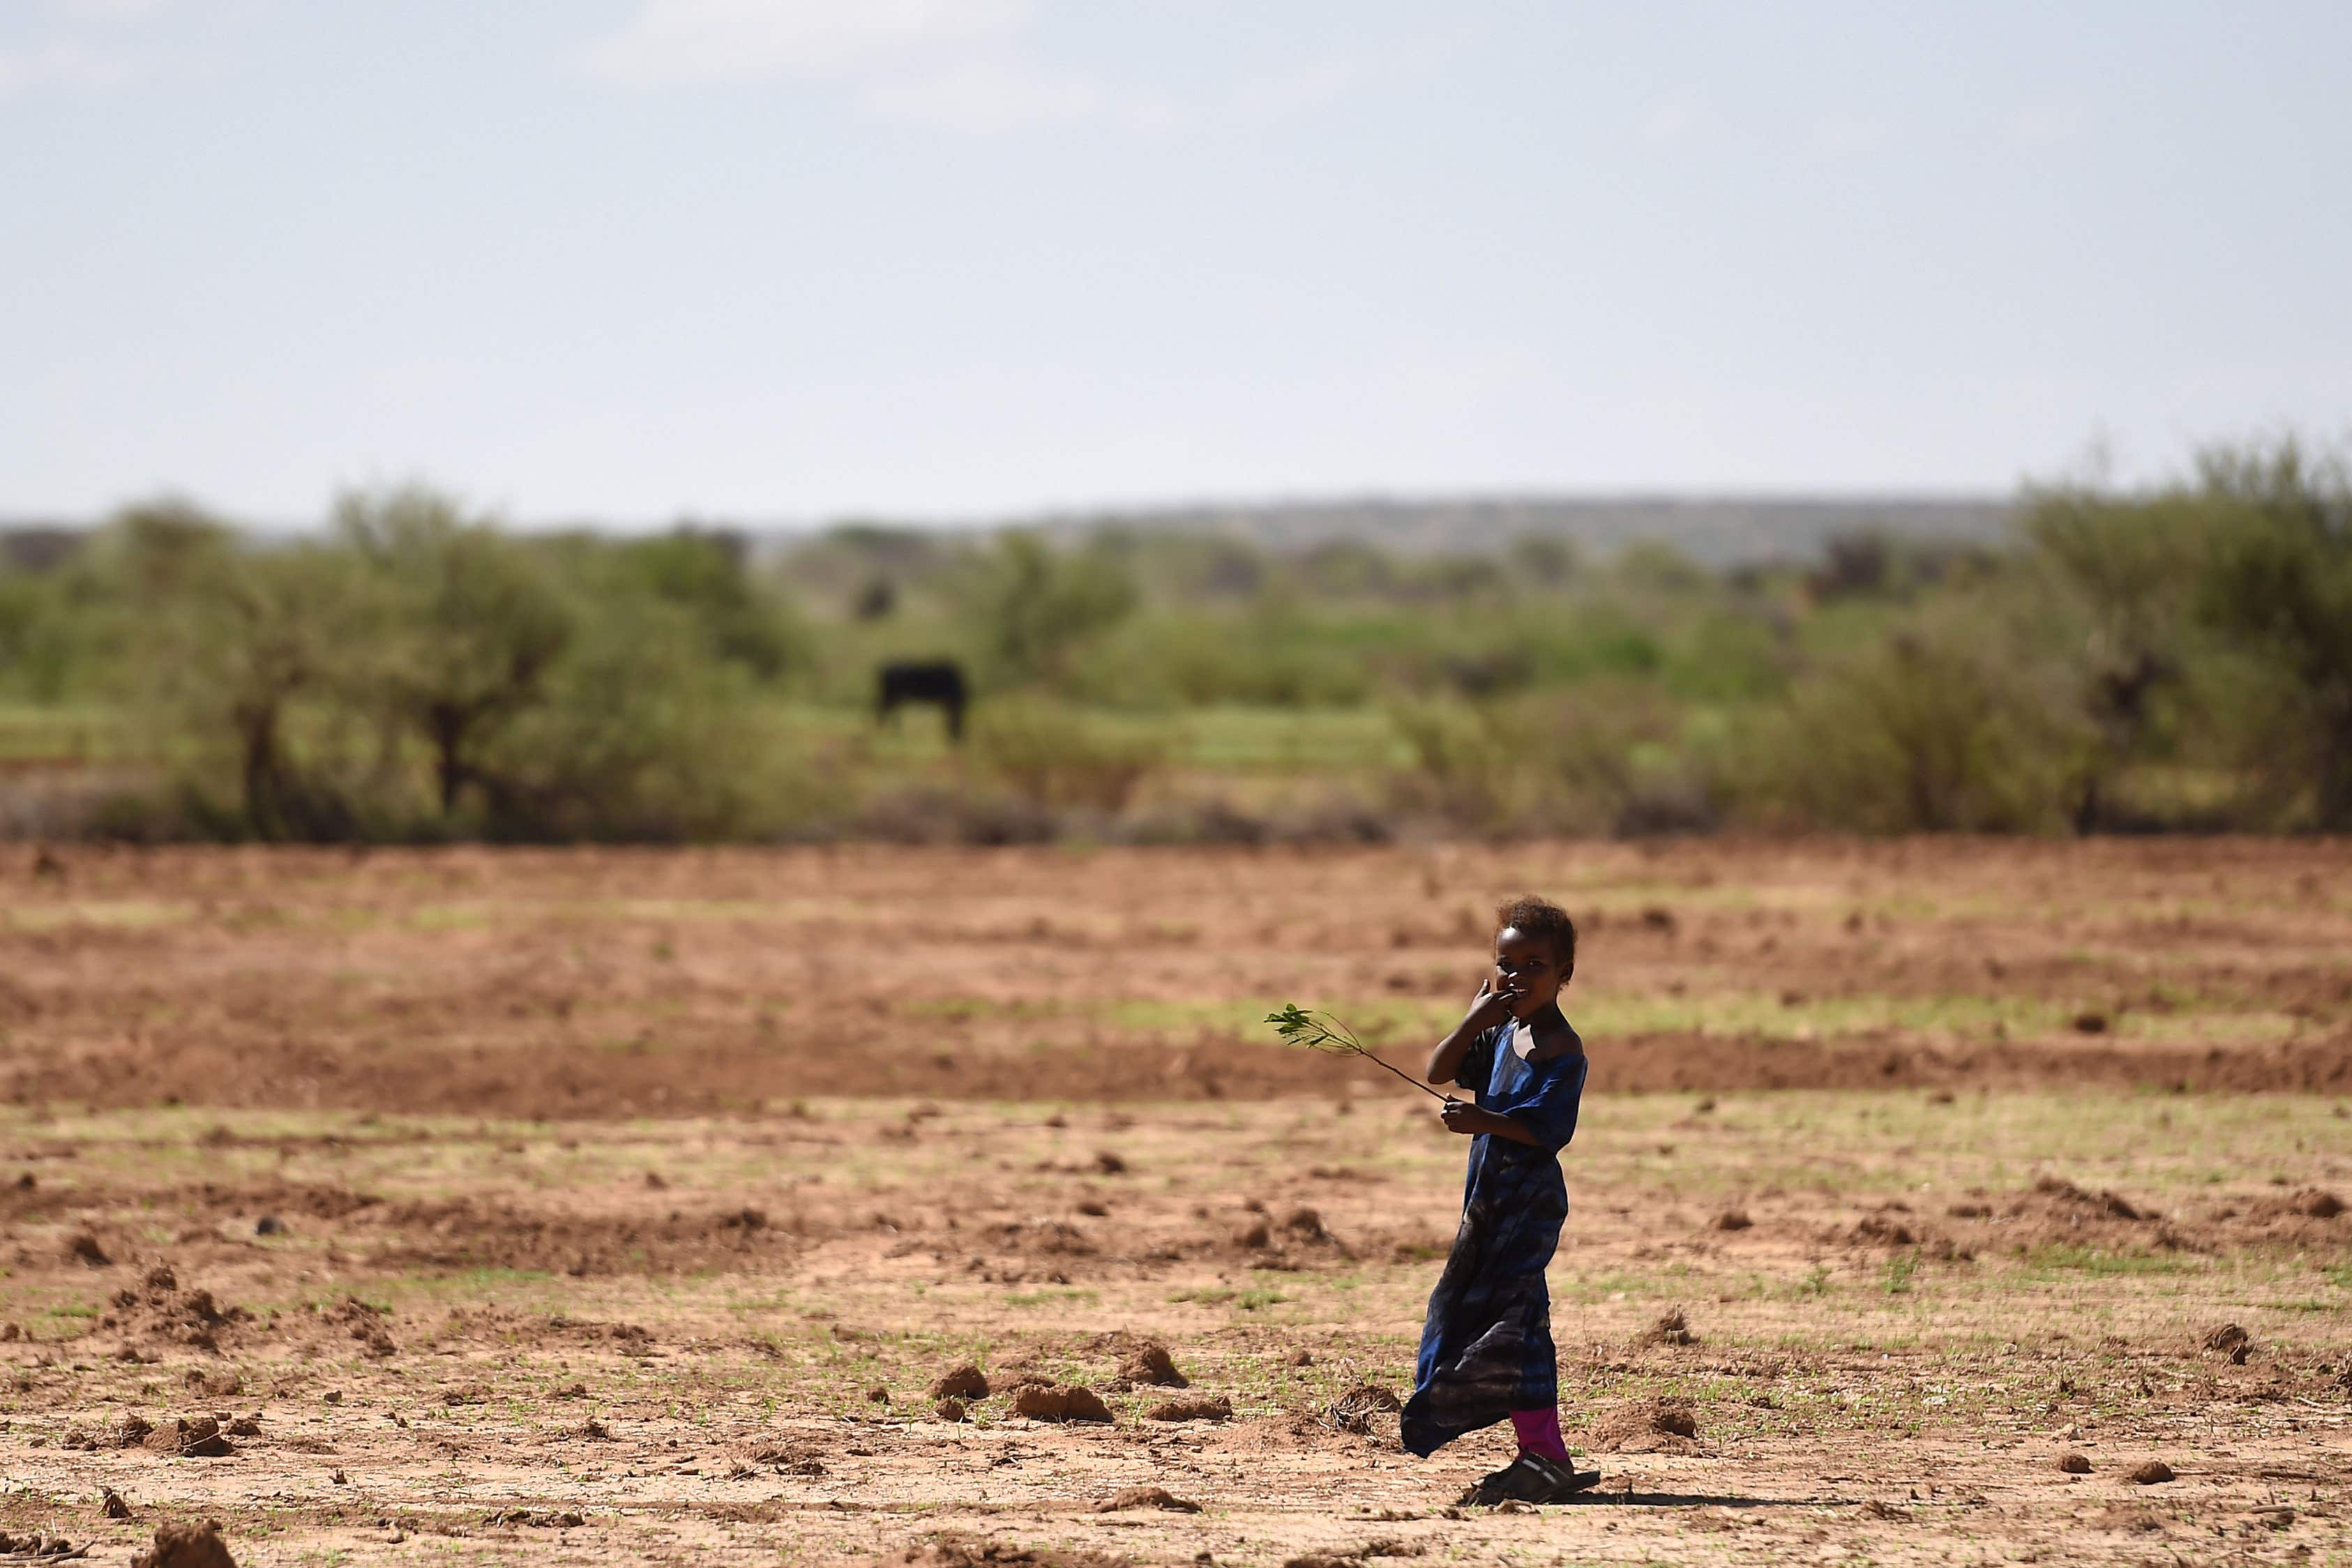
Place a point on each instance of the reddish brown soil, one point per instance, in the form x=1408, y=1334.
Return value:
x=617, y=983
x=458, y=1206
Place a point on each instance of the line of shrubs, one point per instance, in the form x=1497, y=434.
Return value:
x=2173, y=658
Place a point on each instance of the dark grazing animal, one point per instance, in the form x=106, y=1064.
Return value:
x=937, y=680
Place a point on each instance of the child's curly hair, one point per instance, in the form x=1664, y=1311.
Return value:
x=1541, y=919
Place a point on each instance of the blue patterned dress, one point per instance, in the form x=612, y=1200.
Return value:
x=1486, y=1349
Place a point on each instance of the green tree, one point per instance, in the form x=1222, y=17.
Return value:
x=1035, y=607
x=473, y=625
x=707, y=574
x=242, y=639
x=2129, y=570
x=642, y=734
x=1958, y=719
x=2281, y=586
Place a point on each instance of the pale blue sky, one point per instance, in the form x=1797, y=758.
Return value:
x=796, y=258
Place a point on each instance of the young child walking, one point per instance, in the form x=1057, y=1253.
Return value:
x=1486, y=1349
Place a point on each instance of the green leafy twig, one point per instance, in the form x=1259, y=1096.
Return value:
x=1321, y=1032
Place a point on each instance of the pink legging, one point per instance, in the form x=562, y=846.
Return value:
x=1539, y=1433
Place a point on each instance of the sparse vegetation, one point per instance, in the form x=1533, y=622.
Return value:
x=2173, y=658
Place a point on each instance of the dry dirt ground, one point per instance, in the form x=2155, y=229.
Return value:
x=619, y=1208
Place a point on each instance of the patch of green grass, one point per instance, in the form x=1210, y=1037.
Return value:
x=1055, y=1296
x=2093, y=1261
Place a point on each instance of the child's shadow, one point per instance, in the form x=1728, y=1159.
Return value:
x=1597, y=1499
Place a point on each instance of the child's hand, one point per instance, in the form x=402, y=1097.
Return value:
x=1462, y=1117
x=1490, y=1006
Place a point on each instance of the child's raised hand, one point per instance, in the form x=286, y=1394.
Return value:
x=1490, y=1006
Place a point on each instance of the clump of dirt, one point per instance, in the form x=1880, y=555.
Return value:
x=193, y=1437
x=1061, y=1402
x=1149, y=1497
x=784, y=1458
x=161, y=1313
x=1647, y=1426
x=1733, y=1219
x=2074, y=1464
x=2129, y=1518
x=1192, y=1407
x=1890, y=1226
x=130, y=1433
x=1298, y=1240
x=965, y=1381
x=1883, y=1229
x=963, y=1551
x=2231, y=1341
x=1875, y=1508
x=82, y=1248
x=536, y=1518
x=1355, y=1557
x=1038, y=1238
x=504, y=1325
x=110, y=1504
x=190, y=1437
x=1671, y=1329
x=2318, y=1203
x=2110, y=1204
x=365, y=1323
x=1148, y=1363
x=469, y=1233
x=2307, y=1203
x=948, y=1410
x=1356, y=1410
x=2149, y=1473
x=214, y=1384
x=197, y=1545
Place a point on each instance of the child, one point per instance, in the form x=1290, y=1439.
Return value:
x=1486, y=1351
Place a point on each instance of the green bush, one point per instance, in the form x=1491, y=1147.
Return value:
x=1033, y=607
x=1053, y=756
x=641, y=735
x=2281, y=587
x=1948, y=724
x=2173, y=657
x=1465, y=769
x=1602, y=757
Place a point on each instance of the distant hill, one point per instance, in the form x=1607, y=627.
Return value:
x=1720, y=530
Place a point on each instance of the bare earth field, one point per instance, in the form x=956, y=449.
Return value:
x=625, y=1207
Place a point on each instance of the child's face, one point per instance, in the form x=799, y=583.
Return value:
x=1528, y=971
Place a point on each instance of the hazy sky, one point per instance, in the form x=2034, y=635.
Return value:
x=793, y=258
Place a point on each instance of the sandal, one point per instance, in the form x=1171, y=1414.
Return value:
x=1530, y=1478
